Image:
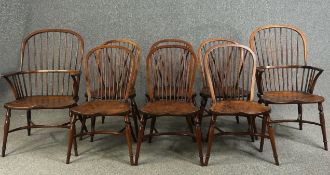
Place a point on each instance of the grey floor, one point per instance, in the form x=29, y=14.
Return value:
x=44, y=152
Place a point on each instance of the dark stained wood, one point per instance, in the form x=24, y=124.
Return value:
x=171, y=67
x=110, y=74
x=283, y=76
x=48, y=78
x=232, y=76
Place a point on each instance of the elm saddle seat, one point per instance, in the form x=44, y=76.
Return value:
x=102, y=108
x=286, y=97
x=239, y=107
x=42, y=102
x=172, y=108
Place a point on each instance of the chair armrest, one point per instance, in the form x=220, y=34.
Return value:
x=17, y=83
x=307, y=81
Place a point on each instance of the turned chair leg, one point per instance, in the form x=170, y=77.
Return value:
x=75, y=140
x=300, y=116
x=132, y=132
x=128, y=139
x=135, y=115
x=103, y=119
x=83, y=126
x=190, y=125
x=263, y=132
x=322, y=123
x=5, y=132
x=71, y=138
x=210, y=139
x=255, y=130
x=198, y=136
x=237, y=119
x=28, y=118
x=93, y=119
x=140, y=140
x=152, y=128
x=250, y=128
x=272, y=139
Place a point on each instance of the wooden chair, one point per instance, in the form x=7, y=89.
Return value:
x=206, y=44
x=164, y=42
x=283, y=76
x=110, y=75
x=230, y=72
x=48, y=78
x=136, y=50
x=171, y=74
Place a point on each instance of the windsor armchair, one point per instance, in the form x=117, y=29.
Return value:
x=110, y=75
x=230, y=72
x=171, y=74
x=283, y=76
x=48, y=78
x=164, y=42
x=135, y=49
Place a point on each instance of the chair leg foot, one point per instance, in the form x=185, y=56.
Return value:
x=322, y=122
x=70, y=138
x=272, y=140
x=140, y=140
x=198, y=136
x=210, y=139
x=5, y=132
x=128, y=139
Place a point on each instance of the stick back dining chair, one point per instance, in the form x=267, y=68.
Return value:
x=110, y=75
x=164, y=42
x=206, y=44
x=171, y=74
x=48, y=78
x=283, y=76
x=230, y=72
x=136, y=50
